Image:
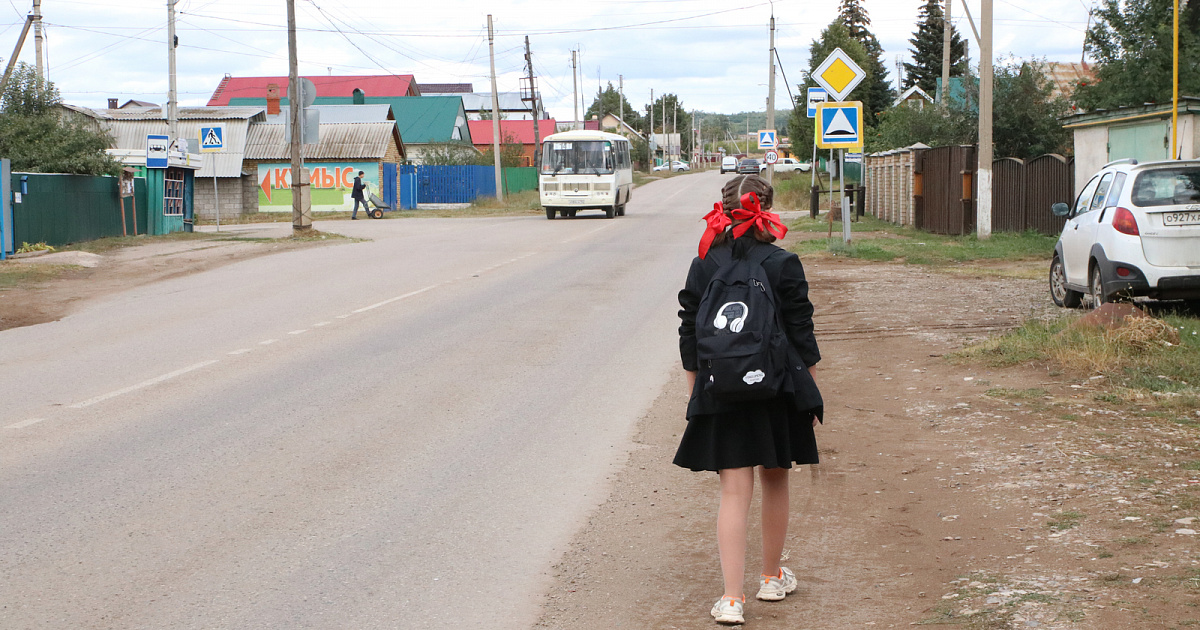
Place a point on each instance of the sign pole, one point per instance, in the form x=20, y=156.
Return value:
x=845, y=200
x=216, y=199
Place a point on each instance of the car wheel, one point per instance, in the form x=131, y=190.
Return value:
x=1096, y=288
x=1059, y=292
x=550, y=212
x=610, y=211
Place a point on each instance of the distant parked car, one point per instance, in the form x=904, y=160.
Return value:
x=675, y=166
x=787, y=165
x=748, y=166
x=729, y=165
x=1134, y=230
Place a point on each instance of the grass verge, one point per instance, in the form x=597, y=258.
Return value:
x=1156, y=363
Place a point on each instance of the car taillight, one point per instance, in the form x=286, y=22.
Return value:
x=1124, y=222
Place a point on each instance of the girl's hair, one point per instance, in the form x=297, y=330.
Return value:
x=731, y=199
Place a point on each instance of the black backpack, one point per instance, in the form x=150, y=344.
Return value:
x=740, y=343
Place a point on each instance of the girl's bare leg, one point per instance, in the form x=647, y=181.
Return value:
x=774, y=516
x=737, y=488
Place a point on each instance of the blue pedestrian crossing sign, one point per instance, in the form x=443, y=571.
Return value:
x=766, y=139
x=212, y=139
x=839, y=125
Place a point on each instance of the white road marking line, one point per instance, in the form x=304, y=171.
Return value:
x=132, y=388
x=24, y=423
x=344, y=316
x=298, y=332
x=267, y=342
x=588, y=233
x=240, y=351
x=320, y=324
x=395, y=299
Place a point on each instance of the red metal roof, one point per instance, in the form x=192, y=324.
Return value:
x=521, y=131
x=371, y=85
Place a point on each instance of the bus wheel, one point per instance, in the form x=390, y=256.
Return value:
x=621, y=210
x=550, y=212
x=610, y=211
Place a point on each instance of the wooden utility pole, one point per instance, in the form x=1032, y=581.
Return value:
x=983, y=200
x=12, y=61
x=301, y=220
x=495, y=115
x=946, y=39
x=650, y=136
x=621, y=94
x=172, y=98
x=575, y=81
x=37, y=38
x=771, y=96
x=537, y=136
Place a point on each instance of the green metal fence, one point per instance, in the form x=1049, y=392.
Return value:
x=61, y=209
x=520, y=178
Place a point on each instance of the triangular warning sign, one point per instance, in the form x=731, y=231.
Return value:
x=840, y=125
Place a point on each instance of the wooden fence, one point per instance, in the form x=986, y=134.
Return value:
x=935, y=190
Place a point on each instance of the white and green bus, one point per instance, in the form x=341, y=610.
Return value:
x=585, y=170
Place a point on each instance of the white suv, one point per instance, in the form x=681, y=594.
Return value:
x=1133, y=231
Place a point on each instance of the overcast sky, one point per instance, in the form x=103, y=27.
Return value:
x=713, y=54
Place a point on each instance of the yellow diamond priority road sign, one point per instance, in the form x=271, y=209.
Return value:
x=838, y=74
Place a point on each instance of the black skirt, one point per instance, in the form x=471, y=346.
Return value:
x=771, y=434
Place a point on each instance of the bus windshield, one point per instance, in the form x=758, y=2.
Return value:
x=577, y=157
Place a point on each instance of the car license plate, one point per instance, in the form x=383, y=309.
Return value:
x=577, y=202
x=1189, y=217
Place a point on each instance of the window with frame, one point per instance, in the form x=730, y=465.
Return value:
x=173, y=193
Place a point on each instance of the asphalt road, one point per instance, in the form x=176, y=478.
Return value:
x=398, y=433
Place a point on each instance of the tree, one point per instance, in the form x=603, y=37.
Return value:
x=609, y=102
x=678, y=120
x=1026, y=121
x=926, y=68
x=801, y=128
x=1131, y=41
x=878, y=94
x=36, y=137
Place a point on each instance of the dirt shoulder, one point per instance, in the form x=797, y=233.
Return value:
x=48, y=287
x=947, y=493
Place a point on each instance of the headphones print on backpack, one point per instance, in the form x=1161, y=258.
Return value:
x=736, y=325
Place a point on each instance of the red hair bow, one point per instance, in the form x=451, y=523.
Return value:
x=717, y=222
x=752, y=214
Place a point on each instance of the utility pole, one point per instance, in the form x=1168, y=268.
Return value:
x=650, y=136
x=37, y=38
x=675, y=129
x=946, y=38
x=172, y=104
x=301, y=218
x=983, y=214
x=621, y=93
x=771, y=96
x=533, y=97
x=575, y=79
x=12, y=60
x=1175, y=88
x=495, y=115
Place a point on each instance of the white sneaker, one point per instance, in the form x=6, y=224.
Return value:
x=773, y=589
x=728, y=610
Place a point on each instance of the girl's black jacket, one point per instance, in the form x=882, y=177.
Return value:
x=791, y=291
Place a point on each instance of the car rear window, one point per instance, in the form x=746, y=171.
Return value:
x=1167, y=187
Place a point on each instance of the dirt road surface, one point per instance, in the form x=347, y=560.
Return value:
x=948, y=493
x=945, y=495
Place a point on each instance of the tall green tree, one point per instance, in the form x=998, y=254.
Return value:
x=801, y=128
x=926, y=68
x=878, y=94
x=37, y=138
x=1131, y=42
x=609, y=102
x=1026, y=115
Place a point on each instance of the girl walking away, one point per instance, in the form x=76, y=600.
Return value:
x=754, y=404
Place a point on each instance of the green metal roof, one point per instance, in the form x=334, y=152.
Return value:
x=420, y=119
